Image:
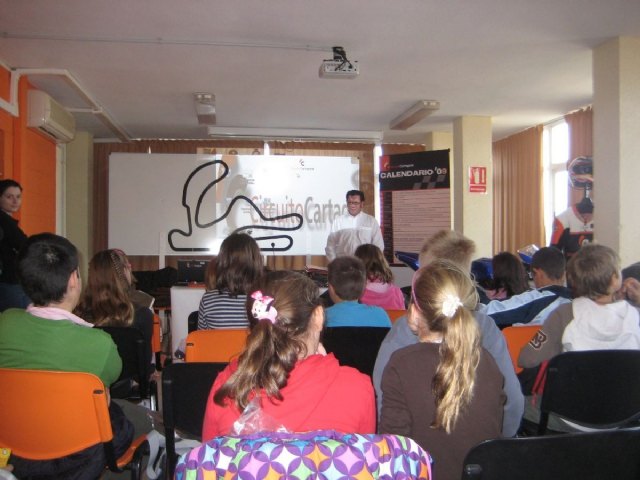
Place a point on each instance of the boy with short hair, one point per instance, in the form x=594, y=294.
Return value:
x=347, y=278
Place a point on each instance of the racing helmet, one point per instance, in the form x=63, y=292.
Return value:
x=581, y=172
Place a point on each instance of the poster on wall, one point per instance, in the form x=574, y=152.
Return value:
x=477, y=179
x=166, y=204
x=415, y=199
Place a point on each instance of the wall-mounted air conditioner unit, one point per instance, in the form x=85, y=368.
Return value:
x=49, y=117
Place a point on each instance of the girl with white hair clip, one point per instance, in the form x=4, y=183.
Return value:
x=445, y=392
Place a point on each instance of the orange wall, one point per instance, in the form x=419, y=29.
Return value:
x=6, y=128
x=30, y=158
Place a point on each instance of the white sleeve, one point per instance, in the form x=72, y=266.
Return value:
x=332, y=240
x=376, y=235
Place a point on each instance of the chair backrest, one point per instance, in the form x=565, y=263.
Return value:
x=597, y=388
x=156, y=341
x=218, y=345
x=46, y=415
x=395, y=314
x=133, y=352
x=185, y=389
x=518, y=337
x=355, y=346
x=587, y=456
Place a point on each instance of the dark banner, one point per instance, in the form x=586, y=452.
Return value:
x=415, y=199
x=415, y=171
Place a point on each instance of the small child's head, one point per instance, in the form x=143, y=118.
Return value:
x=238, y=264
x=509, y=274
x=594, y=271
x=549, y=261
x=374, y=262
x=347, y=277
x=632, y=271
x=448, y=245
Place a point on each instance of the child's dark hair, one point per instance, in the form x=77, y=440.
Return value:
x=374, y=262
x=45, y=263
x=238, y=264
x=348, y=277
x=551, y=261
x=509, y=274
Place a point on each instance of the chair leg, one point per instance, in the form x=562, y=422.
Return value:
x=544, y=420
x=137, y=463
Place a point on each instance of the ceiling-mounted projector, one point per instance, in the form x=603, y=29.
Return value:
x=338, y=69
x=339, y=66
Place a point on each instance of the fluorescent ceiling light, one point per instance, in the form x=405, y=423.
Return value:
x=416, y=113
x=294, y=134
x=205, y=108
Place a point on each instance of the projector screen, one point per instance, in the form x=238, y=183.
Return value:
x=166, y=204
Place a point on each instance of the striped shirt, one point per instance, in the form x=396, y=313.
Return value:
x=220, y=310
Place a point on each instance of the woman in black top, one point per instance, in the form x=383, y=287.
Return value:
x=11, y=240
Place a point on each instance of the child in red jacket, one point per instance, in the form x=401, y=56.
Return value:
x=299, y=386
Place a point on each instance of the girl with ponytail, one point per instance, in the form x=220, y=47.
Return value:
x=445, y=392
x=299, y=385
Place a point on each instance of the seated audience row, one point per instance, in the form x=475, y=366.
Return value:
x=48, y=336
x=284, y=368
x=595, y=320
x=458, y=249
x=443, y=375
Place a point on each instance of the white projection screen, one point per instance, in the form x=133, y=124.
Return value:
x=175, y=204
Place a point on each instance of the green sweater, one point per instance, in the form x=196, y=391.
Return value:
x=36, y=343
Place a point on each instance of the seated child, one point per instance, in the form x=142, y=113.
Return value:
x=380, y=289
x=347, y=279
x=284, y=367
x=445, y=391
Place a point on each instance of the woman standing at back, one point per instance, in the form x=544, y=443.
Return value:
x=11, y=240
x=285, y=366
x=445, y=392
x=238, y=265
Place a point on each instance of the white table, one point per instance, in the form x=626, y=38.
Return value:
x=184, y=300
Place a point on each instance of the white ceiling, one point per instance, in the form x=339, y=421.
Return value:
x=518, y=61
